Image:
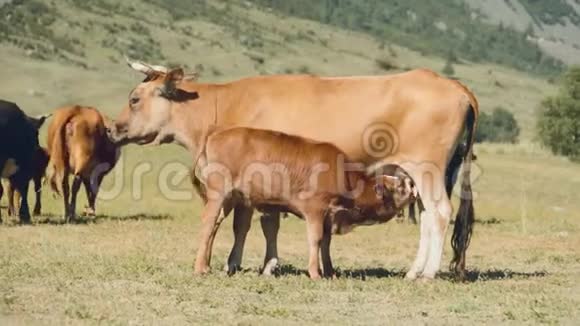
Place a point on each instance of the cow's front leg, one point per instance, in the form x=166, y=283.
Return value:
x=270, y=223
x=242, y=224
x=209, y=218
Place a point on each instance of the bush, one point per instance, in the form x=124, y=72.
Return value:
x=559, y=118
x=498, y=127
x=448, y=69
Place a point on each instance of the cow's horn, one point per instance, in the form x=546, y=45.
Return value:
x=145, y=68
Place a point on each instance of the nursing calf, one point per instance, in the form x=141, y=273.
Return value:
x=272, y=171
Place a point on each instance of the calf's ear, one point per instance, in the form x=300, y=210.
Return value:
x=37, y=122
x=386, y=183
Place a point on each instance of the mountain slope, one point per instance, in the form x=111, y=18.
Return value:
x=71, y=51
x=555, y=24
x=447, y=28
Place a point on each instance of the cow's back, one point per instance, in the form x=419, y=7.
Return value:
x=75, y=139
x=18, y=138
x=350, y=112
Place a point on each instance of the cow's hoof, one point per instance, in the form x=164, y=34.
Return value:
x=411, y=275
x=269, y=267
x=425, y=279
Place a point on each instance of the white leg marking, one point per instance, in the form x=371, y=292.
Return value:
x=423, y=251
x=438, y=231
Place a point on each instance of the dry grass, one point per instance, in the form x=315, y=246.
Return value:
x=133, y=263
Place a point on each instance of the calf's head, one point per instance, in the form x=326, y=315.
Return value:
x=392, y=193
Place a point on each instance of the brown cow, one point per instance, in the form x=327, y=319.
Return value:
x=78, y=145
x=39, y=164
x=412, y=119
x=273, y=171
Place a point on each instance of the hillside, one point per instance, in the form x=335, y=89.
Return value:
x=555, y=25
x=71, y=51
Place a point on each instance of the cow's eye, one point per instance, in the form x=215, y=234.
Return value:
x=133, y=100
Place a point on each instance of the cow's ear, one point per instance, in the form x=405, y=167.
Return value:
x=169, y=89
x=37, y=122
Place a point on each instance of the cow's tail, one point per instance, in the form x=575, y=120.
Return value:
x=465, y=215
x=57, y=164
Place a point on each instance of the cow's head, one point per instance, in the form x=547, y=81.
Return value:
x=147, y=116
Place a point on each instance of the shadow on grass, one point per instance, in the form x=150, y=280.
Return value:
x=493, y=275
x=379, y=273
x=51, y=219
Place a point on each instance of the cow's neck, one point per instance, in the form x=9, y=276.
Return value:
x=191, y=120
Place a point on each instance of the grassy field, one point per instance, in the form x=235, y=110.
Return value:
x=133, y=264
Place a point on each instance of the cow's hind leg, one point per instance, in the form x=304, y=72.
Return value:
x=209, y=218
x=430, y=183
x=92, y=186
x=21, y=182
x=270, y=223
x=242, y=224
x=1, y=194
x=11, y=193
x=37, y=195
x=76, y=186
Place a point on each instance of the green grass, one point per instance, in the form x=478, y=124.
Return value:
x=133, y=264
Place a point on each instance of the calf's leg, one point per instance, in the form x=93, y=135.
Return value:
x=270, y=223
x=209, y=218
x=242, y=224
x=315, y=231
x=327, y=269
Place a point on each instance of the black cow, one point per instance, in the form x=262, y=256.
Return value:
x=18, y=145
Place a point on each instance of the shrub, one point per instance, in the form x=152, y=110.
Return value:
x=559, y=118
x=498, y=127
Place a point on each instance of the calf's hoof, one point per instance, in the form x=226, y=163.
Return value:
x=269, y=267
x=201, y=270
x=231, y=269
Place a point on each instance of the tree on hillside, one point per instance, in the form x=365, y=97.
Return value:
x=559, y=118
x=498, y=127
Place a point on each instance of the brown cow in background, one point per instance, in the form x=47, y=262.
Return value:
x=78, y=145
x=39, y=164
